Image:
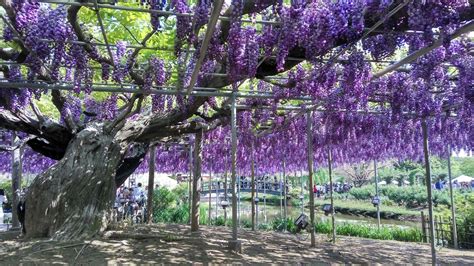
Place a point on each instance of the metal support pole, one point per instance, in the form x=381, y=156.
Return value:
x=333, y=218
x=426, y=152
x=151, y=184
x=234, y=244
x=238, y=198
x=281, y=196
x=302, y=193
x=252, y=170
x=377, y=193
x=16, y=180
x=256, y=197
x=309, y=133
x=285, y=214
x=225, y=196
x=217, y=200
x=453, y=207
x=256, y=206
x=210, y=194
x=197, y=175
x=264, y=200
x=190, y=180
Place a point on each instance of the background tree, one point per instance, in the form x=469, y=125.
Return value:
x=358, y=175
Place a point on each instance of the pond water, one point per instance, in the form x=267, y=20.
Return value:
x=266, y=213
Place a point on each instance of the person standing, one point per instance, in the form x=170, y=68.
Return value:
x=3, y=200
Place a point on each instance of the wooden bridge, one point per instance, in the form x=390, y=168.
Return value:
x=243, y=190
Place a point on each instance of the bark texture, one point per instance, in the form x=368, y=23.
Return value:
x=73, y=198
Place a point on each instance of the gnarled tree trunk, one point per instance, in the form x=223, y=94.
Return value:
x=73, y=198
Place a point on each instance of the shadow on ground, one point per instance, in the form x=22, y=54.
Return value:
x=176, y=244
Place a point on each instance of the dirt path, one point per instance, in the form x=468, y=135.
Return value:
x=175, y=244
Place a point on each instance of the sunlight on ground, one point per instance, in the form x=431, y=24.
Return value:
x=152, y=244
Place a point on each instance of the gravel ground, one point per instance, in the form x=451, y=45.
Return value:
x=176, y=244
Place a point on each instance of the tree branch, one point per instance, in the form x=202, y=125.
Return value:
x=14, y=147
x=54, y=135
x=211, y=26
x=58, y=99
x=415, y=55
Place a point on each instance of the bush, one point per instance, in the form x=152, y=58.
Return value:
x=169, y=206
x=278, y=224
x=219, y=221
x=246, y=224
x=265, y=226
x=367, y=231
x=363, y=193
x=412, y=196
x=465, y=219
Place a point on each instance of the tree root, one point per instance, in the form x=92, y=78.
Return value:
x=56, y=248
x=121, y=235
x=80, y=251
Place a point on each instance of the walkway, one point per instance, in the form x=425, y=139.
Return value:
x=165, y=244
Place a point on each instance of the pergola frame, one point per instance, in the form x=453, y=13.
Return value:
x=215, y=92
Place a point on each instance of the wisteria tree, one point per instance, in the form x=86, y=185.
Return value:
x=119, y=80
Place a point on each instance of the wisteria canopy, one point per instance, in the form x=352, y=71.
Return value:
x=127, y=67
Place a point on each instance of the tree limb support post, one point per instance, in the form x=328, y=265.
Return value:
x=426, y=151
x=453, y=206
x=333, y=218
x=234, y=244
x=252, y=171
x=16, y=180
x=151, y=184
x=196, y=181
x=377, y=193
x=309, y=133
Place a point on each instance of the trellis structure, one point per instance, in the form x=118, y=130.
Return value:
x=306, y=104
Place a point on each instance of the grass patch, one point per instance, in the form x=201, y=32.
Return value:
x=357, y=230
x=367, y=231
x=367, y=206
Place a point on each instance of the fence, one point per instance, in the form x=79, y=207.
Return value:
x=443, y=232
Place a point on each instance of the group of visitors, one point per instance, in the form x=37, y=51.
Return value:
x=130, y=202
x=20, y=207
x=442, y=184
x=3, y=201
x=320, y=190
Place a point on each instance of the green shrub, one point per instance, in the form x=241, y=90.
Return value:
x=264, y=226
x=179, y=215
x=219, y=221
x=465, y=219
x=368, y=231
x=278, y=224
x=170, y=206
x=411, y=196
x=363, y=193
x=246, y=223
x=323, y=227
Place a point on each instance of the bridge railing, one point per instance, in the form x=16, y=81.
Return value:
x=245, y=184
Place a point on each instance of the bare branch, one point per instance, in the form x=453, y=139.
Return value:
x=19, y=145
x=72, y=18
x=211, y=26
x=415, y=55
x=37, y=112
